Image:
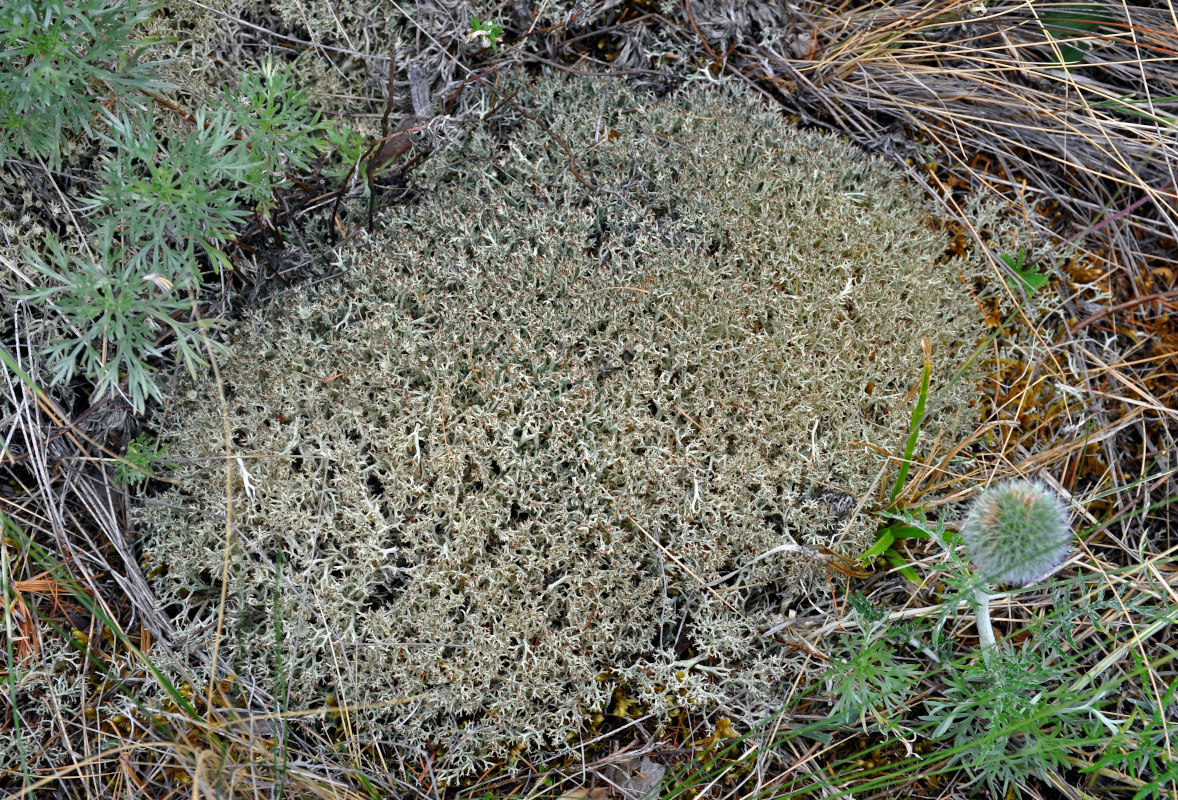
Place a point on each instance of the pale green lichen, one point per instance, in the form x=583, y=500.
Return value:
x=499, y=462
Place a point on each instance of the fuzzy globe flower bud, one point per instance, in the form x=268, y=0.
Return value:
x=1016, y=532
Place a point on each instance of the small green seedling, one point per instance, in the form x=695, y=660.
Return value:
x=490, y=30
x=1070, y=28
x=865, y=677
x=885, y=546
x=1031, y=279
x=142, y=452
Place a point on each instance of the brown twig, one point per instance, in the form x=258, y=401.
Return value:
x=1136, y=301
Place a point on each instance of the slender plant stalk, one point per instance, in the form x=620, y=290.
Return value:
x=985, y=629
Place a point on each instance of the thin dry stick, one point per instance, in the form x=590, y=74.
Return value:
x=686, y=568
x=1136, y=301
x=228, y=442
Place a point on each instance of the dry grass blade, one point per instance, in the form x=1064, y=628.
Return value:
x=1017, y=96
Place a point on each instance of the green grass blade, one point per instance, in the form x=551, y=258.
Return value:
x=913, y=428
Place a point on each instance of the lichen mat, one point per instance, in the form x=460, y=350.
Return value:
x=508, y=459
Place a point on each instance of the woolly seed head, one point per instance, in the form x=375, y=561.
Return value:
x=1016, y=532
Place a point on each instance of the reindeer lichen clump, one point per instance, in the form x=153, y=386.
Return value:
x=510, y=461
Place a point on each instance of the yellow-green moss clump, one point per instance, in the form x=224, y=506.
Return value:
x=499, y=462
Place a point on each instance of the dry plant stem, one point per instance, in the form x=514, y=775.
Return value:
x=228, y=516
x=293, y=40
x=1136, y=301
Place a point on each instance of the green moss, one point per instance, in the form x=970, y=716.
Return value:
x=500, y=460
